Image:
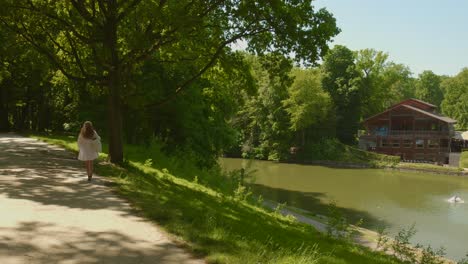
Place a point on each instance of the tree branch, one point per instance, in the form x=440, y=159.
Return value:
x=75, y=54
x=127, y=10
x=42, y=50
x=54, y=17
x=79, y=6
x=207, y=66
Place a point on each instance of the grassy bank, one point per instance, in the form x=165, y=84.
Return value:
x=331, y=150
x=464, y=159
x=217, y=222
x=428, y=167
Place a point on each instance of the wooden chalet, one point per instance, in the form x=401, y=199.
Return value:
x=411, y=129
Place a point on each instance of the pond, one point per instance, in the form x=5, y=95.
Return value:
x=380, y=197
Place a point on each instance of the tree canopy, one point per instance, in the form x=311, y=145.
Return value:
x=104, y=43
x=166, y=71
x=455, y=103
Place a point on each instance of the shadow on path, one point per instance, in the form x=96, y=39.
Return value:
x=36, y=242
x=51, y=214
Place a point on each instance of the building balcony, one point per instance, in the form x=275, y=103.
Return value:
x=407, y=133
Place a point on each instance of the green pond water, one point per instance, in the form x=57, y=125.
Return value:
x=381, y=197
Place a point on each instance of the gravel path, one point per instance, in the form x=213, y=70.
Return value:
x=49, y=213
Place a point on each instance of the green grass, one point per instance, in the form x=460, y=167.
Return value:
x=430, y=167
x=211, y=221
x=464, y=159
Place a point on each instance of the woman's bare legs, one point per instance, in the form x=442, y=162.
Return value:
x=89, y=169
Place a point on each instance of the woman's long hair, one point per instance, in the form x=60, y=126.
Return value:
x=87, y=130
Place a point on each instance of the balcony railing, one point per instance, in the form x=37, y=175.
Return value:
x=405, y=133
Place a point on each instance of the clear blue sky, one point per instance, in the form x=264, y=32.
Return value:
x=424, y=35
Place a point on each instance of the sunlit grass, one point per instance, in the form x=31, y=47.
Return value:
x=212, y=222
x=464, y=159
x=429, y=167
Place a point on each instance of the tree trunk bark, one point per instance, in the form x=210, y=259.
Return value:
x=114, y=83
x=115, y=121
x=4, y=123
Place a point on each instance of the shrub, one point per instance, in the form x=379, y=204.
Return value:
x=337, y=224
x=401, y=244
x=431, y=256
x=382, y=239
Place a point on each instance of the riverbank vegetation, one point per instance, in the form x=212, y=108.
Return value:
x=333, y=152
x=218, y=220
x=464, y=159
x=428, y=168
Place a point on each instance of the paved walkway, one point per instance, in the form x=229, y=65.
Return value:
x=50, y=214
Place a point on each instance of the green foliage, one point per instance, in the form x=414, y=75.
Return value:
x=341, y=81
x=429, y=167
x=428, y=88
x=309, y=107
x=401, y=245
x=106, y=45
x=455, y=103
x=371, y=65
x=337, y=224
x=397, y=84
x=463, y=260
x=333, y=150
x=259, y=201
x=464, y=159
x=431, y=256
x=405, y=251
x=242, y=193
x=382, y=239
x=264, y=122
x=279, y=208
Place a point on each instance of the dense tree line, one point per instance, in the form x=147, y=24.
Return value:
x=102, y=47
x=145, y=70
x=301, y=107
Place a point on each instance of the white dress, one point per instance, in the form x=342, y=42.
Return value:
x=89, y=148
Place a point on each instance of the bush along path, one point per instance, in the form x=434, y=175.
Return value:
x=51, y=214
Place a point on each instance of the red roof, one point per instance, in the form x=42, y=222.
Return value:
x=422, y=111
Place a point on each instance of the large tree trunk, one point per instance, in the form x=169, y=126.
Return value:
x=4, y=124
x=114, y=83
x=115, y=123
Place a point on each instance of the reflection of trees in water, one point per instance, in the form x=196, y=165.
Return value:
x=314, y=202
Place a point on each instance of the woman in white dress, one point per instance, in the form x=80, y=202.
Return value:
x=89, y=145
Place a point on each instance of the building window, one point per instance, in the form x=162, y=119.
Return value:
x=407, y=143
x=395, y=143
x=433, y=143
x=419, y=143
x=385, y=143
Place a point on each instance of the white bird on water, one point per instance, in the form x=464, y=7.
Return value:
x=455, y=199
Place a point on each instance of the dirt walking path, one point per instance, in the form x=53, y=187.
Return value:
x=49, y=213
